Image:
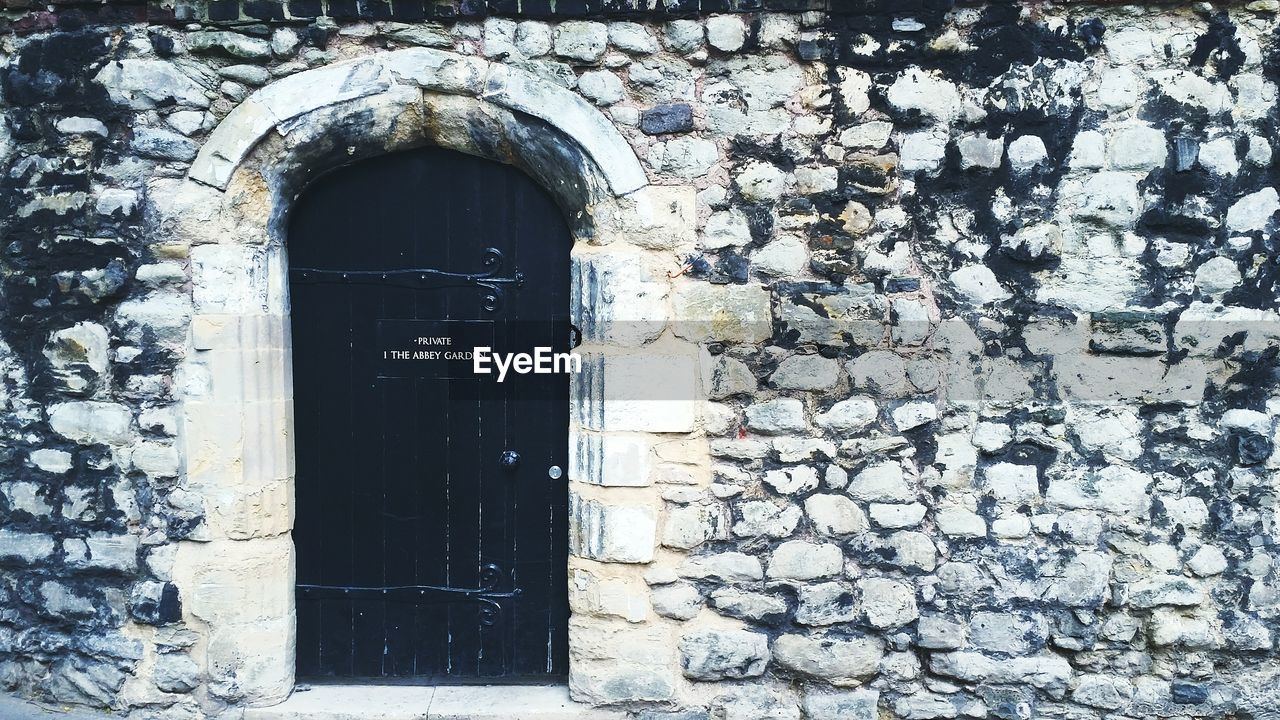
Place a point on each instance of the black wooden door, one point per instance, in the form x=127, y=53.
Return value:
x=431, y=524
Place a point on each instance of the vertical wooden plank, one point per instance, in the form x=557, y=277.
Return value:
x=431, y=226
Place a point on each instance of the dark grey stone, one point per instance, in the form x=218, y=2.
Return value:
x=660, y=119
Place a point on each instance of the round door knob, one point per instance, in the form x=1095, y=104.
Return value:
x=509, y=460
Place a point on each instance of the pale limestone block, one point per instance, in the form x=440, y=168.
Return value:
x=243, y=514
x=723, y=313
x=90, y=422
x=437, y=70
x=595, y=594
x=648, y=391
x=619, y=298
x=614, y=661
x=612, y=533
x=228, y=279
x=660, y=217
x=611, y=460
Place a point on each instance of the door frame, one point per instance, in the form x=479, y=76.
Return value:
x=235, y=574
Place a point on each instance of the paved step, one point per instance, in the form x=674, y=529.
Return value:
x=453, y=702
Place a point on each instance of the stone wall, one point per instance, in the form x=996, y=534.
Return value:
x=986, y=305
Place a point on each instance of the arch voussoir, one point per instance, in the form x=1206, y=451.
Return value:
x=431, y=71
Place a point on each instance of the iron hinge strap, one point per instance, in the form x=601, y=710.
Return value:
x=488, y=281
x=408, y=275
x=427, y=593
x=491, y=259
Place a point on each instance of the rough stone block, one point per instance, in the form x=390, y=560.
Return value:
x=846, y=705
x=829, y=603
x=776, y=417
x=25, y=547
x=723, y=654
x=704, y=312
x=800, y=560
x=670, y=118
x=649, y=390
x=92, y=422
x=105, y=552
x=724, y=567
x=839, y=661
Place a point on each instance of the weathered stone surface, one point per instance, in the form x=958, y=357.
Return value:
x=612, y=533
x=835, y=660
x=1253, y=211
x=845, y=705
x=92, y=422
x=767, y=518
x=1009, y=632
x=176, y=673
x=601, y=87
x=907, y=549
x=925, y=93
x=726, y=32
x=670, y=118
x=887, y=603
x=723, y=654
x=888, y=515
x=1047, y=672
x=691, y=525
x=800, y=560
x=683, y=36
x=146, y=84
x=884, y=482
x=849, y=416
x=829, y=603
x=1049, y=268
x=835, y=515
x=26, y=547
x=233, y=44
x=748, y=605
x=730, y=567
x=632, y=37
x=723, y=313
x=806, y=372
x=755, y=703
x=677, y=601
x=776, y=417
x=939, y=633
x=103, y=552
x=793, y=480
x=581, y=41
x=615, y=664
x=1084, y=581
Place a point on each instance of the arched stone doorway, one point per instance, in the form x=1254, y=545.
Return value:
x=238, y=413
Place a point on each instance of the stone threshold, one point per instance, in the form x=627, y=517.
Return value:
x=441, y=702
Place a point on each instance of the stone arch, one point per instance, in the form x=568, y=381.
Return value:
x=236, y=421
x=432, y=71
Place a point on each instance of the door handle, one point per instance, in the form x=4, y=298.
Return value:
x=509, y=459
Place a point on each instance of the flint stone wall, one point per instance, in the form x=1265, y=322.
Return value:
x=987, y=308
